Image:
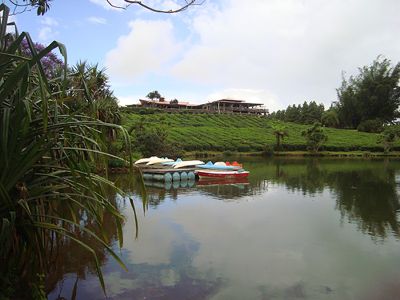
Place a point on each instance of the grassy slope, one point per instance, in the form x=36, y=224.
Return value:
x=243, y=133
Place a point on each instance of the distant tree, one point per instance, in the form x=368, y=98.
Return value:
x=315, y=137
x=292, y=114
x=372, y=94
x=280, y=133
x=307, y=113
x=175, y=101
x=330, y=118
x=153, y=95
x=311, y=112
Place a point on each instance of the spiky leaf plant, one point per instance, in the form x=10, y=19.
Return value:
x=47, y=158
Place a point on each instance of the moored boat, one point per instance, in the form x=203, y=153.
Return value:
x=188, y=163
x=222, y=174
x=158, y=160
x=144, y=160
x=216, y=166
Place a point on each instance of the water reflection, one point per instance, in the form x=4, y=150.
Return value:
x=366, y=192
x=297, y=228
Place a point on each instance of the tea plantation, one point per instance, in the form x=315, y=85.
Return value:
x=213, y=132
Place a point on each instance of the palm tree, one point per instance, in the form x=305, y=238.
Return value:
x=280, y=133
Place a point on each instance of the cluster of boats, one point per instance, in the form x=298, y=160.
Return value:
x=197, y=167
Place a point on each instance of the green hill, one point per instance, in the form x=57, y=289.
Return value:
x=212, y=132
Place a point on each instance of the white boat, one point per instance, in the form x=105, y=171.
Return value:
x=158, y=160
x=188, y=163
x=144, y=160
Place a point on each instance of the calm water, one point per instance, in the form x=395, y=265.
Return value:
x=297, y=229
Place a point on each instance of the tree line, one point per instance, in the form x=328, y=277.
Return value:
x=367, y=102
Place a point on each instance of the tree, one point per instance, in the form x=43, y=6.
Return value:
x=372, y=94
x=308, y=113
x=50, y=62
x=280, y=133
x=42, y=6
x=330, y=118
x=154, y=95
x=315, y=137
x=388, y=137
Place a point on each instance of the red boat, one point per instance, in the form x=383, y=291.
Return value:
x=222, y=174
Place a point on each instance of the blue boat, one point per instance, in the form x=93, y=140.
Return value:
x=211, y=166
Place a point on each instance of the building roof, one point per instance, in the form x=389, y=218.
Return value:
x=231, y=101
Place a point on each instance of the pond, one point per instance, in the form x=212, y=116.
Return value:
x=296, y=229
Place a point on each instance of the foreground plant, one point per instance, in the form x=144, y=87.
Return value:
x=47, y=158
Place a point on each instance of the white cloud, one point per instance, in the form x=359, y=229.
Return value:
x=47, y=31
x=146, y=49
x=287, y=50
x=295, y=49
x=97, y=20
x=130, y=99
x=47, y=21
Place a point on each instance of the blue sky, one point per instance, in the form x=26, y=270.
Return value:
x=276, y=52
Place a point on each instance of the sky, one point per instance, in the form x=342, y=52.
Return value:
x=275, y=52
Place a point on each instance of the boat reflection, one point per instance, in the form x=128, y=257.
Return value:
x=222, y=181
x=201, y=182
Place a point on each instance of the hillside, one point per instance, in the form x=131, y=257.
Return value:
x=204, y=132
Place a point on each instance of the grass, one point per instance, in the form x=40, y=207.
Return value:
x=239, y=133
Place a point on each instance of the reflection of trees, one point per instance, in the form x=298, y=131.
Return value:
x=309, y=182
x=369, y=197
x=365, y=191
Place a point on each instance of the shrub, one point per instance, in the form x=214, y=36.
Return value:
x=315, y=137
x=374, y=126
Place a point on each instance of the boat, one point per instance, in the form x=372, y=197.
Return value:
x=222, y=174
x=188, y=163
x=172, y=163
x=144, y=160
x=210, y=166
x=158, y=160
x=235, y=164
